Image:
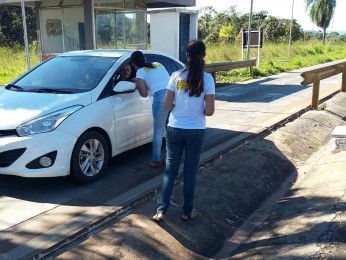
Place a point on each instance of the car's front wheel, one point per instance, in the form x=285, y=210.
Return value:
x=89, y=157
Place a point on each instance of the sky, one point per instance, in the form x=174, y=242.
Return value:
x=282, y=9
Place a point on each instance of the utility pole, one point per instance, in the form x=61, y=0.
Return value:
x=290, y=37
x=249, y=32
x=25, y=36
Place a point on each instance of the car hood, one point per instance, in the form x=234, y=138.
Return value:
x=19, y=107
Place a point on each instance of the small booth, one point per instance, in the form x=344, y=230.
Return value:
x=68, y=25
x=171, y=29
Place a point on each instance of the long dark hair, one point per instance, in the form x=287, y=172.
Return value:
x=195, y=52
x=137, y=57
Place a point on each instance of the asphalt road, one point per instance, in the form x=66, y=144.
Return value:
x=35, y=214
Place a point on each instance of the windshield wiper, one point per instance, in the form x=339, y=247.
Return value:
x=18, y=88
x=51, y=90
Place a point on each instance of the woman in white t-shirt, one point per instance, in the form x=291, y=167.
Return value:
x=153, y=78
x=190, y=96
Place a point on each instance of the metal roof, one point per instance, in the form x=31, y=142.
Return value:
x=173, y=10
x=170, y=3
x=150, y=3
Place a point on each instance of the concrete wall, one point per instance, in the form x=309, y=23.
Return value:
x=164, y=29
x=193, y=26
x=164, y=33
x=90, y=42
x=65, y=21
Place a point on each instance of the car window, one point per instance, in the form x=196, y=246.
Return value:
x=73, y=73
x=165, y=61
x=176, y=66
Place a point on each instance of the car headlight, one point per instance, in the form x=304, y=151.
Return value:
x=46, y=123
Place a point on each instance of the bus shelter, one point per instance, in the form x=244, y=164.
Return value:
x=68, y=25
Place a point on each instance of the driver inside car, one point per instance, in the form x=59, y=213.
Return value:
x=127, y=73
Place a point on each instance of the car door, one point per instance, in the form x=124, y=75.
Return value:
x=133, y=119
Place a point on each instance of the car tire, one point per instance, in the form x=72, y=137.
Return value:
x=90, y=158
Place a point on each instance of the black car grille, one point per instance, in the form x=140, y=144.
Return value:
x=9, y=157
x=4, y=133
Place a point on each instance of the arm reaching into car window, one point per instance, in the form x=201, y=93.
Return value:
x=142, y=87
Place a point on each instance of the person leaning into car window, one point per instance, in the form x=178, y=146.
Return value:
x=153, y=78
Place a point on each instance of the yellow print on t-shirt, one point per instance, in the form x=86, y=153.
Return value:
x=181, y=85
x=155, y=64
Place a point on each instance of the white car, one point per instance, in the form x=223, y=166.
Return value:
x=70, y=114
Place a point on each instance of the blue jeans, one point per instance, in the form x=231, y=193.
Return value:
x=159, y=120
x=178, y=140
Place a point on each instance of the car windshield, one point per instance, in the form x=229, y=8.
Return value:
x=65, y=74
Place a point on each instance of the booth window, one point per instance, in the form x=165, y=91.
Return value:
x=120, y=29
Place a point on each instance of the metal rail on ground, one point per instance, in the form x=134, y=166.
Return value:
x=229, y=65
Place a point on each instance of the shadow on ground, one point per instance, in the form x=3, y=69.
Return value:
x=227, y=193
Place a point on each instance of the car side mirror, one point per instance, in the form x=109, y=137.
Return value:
x=124, y=87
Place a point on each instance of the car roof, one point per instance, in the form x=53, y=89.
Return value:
x=100, y=53
x=117, y=53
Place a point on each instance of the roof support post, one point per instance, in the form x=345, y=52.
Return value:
x=27, y=52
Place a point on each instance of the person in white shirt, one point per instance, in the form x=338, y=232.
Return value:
x=190, y=96
x=153, y=78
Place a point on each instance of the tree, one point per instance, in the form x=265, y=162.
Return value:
x=206, y=16
x=274, y=29
x=321, y=13
x=318, y=35
x=226, y=32
x=11, y=24
x=278, y=29
x=215, y=26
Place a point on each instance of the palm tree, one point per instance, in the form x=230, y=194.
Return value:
x=321, y=13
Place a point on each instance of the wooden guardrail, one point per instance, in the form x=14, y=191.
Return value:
x=229, y=65
x=325, y=71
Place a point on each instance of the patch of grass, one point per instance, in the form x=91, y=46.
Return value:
x=274, y=58
x=13, y=62
x=322, y=106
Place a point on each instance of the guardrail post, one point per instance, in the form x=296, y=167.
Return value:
x=315, y=91
x=343, y=83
